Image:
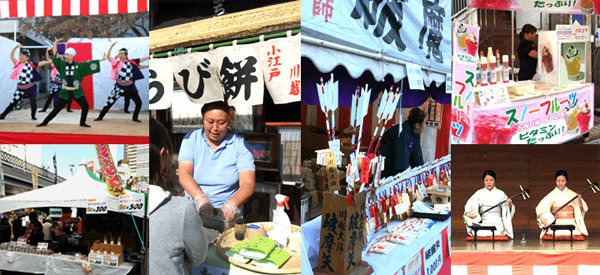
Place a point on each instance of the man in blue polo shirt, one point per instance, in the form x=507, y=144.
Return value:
x=216, y=167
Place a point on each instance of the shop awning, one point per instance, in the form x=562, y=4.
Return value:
x=74, y=192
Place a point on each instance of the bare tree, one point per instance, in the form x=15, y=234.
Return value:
x=65, y=27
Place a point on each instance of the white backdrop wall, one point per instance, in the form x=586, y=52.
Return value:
x=7, y=85
x=137, y=47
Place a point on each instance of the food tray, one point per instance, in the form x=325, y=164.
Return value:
x=435, y=217
x=217, y=224
x=227, y=241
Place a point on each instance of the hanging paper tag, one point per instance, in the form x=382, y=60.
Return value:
x=401, y=207
x=364, y=170
x=332, y=174
x=334, y=145
x=415, y=78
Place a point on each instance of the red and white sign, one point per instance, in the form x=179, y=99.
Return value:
x=42, y=247
x=132, y=202
x=108, y=165
x=35, y=8
x=22, y=242
x=552, y=6
x=97, y=206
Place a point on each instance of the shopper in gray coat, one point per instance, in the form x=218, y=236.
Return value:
x=177, y=239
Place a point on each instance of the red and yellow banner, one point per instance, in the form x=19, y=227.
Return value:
x=111, y=176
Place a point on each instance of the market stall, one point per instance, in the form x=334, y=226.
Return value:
x=85, y=191
x=490, y=106
x=256, y=69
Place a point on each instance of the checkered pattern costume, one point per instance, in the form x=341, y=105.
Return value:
x=129, y=71
x=26, y=75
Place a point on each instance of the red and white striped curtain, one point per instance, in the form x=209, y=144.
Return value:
x=34, y=8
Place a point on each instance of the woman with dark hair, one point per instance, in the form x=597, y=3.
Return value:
x=35, y=233
x=403, y=149
x=5, y=230
x=528, y=52
x=485, y=198
x=572, y=214
x=216, y=167
x=177, y=239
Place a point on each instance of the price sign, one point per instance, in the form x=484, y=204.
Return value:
x=55, y=213
x=42, y=247
x=415, y=78
x=448, y=83
x=95, y=259
x=133, y=202
x=563, y=32
x=97, y=206
x=110, y=261
x=22, y=242
x=494, y=97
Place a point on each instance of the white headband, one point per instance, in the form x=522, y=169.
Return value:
x=71, y=51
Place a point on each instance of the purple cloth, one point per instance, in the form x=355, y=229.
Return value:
x=347, y=87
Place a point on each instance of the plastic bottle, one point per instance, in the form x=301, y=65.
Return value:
x=484, y=72
x=497, y=58
x=490, y=53
x=478, y=73
x=493, y=79
x=505, y=68
x=281, y=221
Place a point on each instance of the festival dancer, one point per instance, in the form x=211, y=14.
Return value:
x=72, y=74
x=56, y=82
x=125, y=71
x=26, y=74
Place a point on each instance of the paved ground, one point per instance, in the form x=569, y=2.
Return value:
x=114, y=123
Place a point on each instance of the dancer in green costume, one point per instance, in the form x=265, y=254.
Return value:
x=72, y=74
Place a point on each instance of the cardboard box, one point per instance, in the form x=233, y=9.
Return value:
x=342, y=226
x=107, y=259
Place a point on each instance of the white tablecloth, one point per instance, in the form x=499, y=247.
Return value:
x=54, y=265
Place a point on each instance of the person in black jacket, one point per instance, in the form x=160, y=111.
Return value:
x=403, y=150
x=4, y=230
x=527, y=51
x=17, y=227
x=35, y=231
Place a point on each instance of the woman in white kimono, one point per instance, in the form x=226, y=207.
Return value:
x=483, y=199
x=572, y=214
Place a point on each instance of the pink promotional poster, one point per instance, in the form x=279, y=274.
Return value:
x=546, y=120
x=465, y=44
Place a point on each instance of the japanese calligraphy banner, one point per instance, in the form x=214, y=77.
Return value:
x=552, y=119
x=161, y=84
x=112, y=177
x=281, y=58
x=237, y=74
x=34, y=8
x=433, y=258
x=197, y=75
x=463, y=73
x=34, y=179
x=240, y=73
x=553, y=6
x=415, y=31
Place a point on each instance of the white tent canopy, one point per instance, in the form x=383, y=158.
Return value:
x=74, y=192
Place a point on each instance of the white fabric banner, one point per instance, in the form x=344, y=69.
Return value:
x=281, y=68
x=196, y=74
x=161, y=84
x=235, y=73
x=7, y=85
x=241, y=75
